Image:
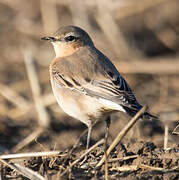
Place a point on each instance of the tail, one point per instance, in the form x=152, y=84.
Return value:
x=146, y=115
x=149, y=116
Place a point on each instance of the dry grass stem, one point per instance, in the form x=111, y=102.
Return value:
x=28, y=139
x=143, y=166
x=77, y=10
x=49, y=8
x=32, y=175
x=78, y=140
x=140, y=38
x=48, y=99
x=134, y=8
x=175, y=130
x=35, y=85
x=123, y=158
x=125, y=168
x=33, y=154
x=82, y=156
x=157, y=66
x=18, y=114
x=122, y=133
x=112, y=31
x=13, y=97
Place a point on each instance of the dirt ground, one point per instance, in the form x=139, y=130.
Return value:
x=148, y=59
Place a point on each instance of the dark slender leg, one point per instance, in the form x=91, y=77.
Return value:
x=108, y=122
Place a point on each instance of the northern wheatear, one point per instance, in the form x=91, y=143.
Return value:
x=86, y=84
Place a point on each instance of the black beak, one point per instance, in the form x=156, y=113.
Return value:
x=48, y=39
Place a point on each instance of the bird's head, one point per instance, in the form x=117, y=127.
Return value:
x=68, y=39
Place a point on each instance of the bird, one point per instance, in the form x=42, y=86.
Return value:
x=85, y=83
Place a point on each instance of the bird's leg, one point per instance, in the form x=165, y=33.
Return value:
x=108, y=122
x=89, y=135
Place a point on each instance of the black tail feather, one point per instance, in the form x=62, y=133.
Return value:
x=146, y=115
x=149, y=116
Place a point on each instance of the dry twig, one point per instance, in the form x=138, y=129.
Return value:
x=111, y=31
x=33, y=154
x=29, y=173
x=122, y=133
x=77, y=10
x=13, y=97
x=36, y=90
x=125, y=168
x=123, y=158
x=157, y=66
x=49, y=9
x=143, y=166
x=174, y=131
x=43, y=116
x=137, y=8
x=17, y=113
x=28, y=139
x=82, y=156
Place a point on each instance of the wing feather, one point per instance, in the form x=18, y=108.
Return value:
x=94, y=76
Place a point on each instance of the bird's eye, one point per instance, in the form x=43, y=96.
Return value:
x=70, y=38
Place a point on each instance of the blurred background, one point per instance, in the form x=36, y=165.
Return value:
x=141, y=39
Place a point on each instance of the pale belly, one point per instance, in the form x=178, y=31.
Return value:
x=77, y=105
